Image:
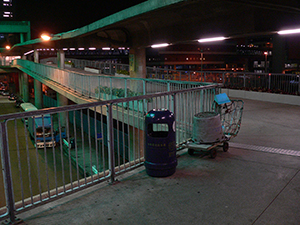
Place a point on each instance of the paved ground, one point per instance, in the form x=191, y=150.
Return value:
x=247, y=185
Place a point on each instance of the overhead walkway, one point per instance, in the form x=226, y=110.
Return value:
x=81, y=86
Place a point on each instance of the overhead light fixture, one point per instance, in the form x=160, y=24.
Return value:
x=211, y=39
x=46, y=37
x=106, y=48
x=7, y=47
x=293, y=31
x=92, y=48
x=27, y=53
x=160, y=45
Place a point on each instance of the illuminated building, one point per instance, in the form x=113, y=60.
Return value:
x=7, y=10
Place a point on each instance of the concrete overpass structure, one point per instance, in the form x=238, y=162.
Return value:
x=175, y=21
x=172, y=22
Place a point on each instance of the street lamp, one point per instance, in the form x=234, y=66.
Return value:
x=46, y=37
x=266, y=55
x=201, y=58
x=7, y=47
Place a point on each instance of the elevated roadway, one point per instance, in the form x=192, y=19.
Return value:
x=174, y=21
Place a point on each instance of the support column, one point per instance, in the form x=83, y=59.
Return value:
x=61, y=101
x=22, y=38
x=25, y=89
x=137, y=63
x=20, y=83
x=36, y=56
x=61, y=59
x=38, y=94
x=279, y=54
x=137, y=67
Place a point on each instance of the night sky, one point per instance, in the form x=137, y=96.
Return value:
x=56, y=16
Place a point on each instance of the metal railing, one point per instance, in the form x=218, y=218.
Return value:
x=101, y=86
x=101, y=141
x=263, y=82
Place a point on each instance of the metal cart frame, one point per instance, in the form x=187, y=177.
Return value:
x=231, y=117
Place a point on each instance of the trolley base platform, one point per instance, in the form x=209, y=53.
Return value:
x=207, y=149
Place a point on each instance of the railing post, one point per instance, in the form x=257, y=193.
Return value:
x=168, y=105
x=99, y=88
x=144, y=93
x=110, y=140
x=126, y=88
x=298, y=84
x=244, y=77
x=90, y=91
x=269, y=81
x=7, y=173
x=111, y=94
x=82, y=87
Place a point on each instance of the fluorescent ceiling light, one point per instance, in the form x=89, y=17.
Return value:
x=106, y=48
x=212, y=39
x=92, y=48
x=294, y=31
x=29, y=52
x=160, y=45
x=80, y=49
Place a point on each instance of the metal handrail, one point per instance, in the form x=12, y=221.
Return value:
x=127, y=112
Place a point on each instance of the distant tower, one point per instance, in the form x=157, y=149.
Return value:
x=7, y=10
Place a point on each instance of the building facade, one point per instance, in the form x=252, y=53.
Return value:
x=7, y=10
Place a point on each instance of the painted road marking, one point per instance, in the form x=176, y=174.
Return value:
x=266, y=149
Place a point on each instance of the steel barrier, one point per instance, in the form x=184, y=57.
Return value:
x=94, y=142
x=101, y=86
x=262, y=82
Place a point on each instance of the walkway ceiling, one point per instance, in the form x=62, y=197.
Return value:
x=177, y=21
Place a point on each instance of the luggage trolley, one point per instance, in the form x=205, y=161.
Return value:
x=229, y=113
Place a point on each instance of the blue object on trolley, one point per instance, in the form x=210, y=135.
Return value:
x=222, y=99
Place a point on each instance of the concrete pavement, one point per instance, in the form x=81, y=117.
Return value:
x=245, y=185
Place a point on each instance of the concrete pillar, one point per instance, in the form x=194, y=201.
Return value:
x=137, y=67
x=22, y=38
x=61, y=59
x=38, y=94
x=20, y=83
x=36, y=56
x=25, y=89
x=61, y=101
x=137, y=63
x=279, y=54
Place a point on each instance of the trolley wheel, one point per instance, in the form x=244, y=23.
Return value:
x=225, y=146
x=191, y=151
x=213, y=153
